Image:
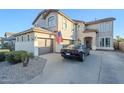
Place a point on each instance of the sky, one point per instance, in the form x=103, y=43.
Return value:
x=17, y=20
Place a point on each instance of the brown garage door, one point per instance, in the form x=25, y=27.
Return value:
x=45, y=45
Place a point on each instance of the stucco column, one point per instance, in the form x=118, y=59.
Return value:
x=35, y=45
x=93, y=43
x=35, y=48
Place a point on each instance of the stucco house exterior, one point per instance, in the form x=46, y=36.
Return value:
x=41, y=38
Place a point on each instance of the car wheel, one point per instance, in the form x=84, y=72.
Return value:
x=88, y=54
x=82, y=56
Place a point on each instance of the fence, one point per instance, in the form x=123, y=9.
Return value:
x=119, y=46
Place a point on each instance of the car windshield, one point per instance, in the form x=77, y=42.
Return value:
x=73, y=46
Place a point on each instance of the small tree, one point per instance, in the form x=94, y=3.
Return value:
x=7, y=46
x=119, y=39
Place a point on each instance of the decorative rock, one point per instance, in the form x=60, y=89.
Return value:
x=19, y=74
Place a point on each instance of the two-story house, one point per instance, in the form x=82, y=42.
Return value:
x=41, y=38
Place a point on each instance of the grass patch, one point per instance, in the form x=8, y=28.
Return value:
x=4, y=50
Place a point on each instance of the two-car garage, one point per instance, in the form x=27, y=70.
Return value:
x=45, y=45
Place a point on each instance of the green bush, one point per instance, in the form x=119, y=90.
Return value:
x=2, y=56
x=30, y=55
x=17, y=56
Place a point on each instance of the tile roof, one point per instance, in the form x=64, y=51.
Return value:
x=78, y=21
x=100, y=20
x=34, y=29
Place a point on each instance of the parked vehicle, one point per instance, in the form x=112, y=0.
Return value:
x=75, y=51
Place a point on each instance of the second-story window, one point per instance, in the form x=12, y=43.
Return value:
x=64, y=24
x=51, y=21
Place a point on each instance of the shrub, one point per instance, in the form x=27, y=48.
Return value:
x=30, y=55
x=17, y=56
x=2, y=56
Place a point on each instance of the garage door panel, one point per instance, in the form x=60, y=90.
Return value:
x=44, y=50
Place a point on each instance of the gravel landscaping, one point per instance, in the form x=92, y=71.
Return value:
x=16, y=74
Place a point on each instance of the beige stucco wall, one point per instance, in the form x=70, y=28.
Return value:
x=54, y=27
x=25, y=45
x=103, y=32
x=44, y=22
x=43, y=35
x=121, y=46
x=66, y=33
x=80, y=30
x=90, y=34
x=40, y=22
x=33, y=44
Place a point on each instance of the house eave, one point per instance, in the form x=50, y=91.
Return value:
x=38, y=30
x=101, y=21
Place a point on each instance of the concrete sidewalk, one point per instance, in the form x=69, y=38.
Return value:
x=99, y=67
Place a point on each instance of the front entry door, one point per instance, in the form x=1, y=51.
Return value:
x=88, y=42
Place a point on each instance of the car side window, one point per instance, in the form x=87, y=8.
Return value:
x=83, y=46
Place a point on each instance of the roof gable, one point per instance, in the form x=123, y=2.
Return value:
x=46, y=12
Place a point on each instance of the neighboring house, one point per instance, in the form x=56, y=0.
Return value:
x=1, y=42
x=41, y=38
x=10, y=39
x=8, y=34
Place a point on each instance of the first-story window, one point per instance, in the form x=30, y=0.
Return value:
x=107, y=41
x=22, y=38
x=28, y=37
x=17, y=39
x=104, y=42
x=101, y=42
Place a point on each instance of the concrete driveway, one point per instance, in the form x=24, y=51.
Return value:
x=99, y=67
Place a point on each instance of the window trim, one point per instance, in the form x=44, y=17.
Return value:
x=103, y=42
x=107, y=43
x=51, y=22
x=65, y=25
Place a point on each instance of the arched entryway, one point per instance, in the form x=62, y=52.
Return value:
x=88, y=42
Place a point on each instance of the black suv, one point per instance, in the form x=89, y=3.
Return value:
x=77, y=51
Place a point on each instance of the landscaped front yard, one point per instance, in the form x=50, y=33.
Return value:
x=16, y=73
x=104, y=67
x=19, y=66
